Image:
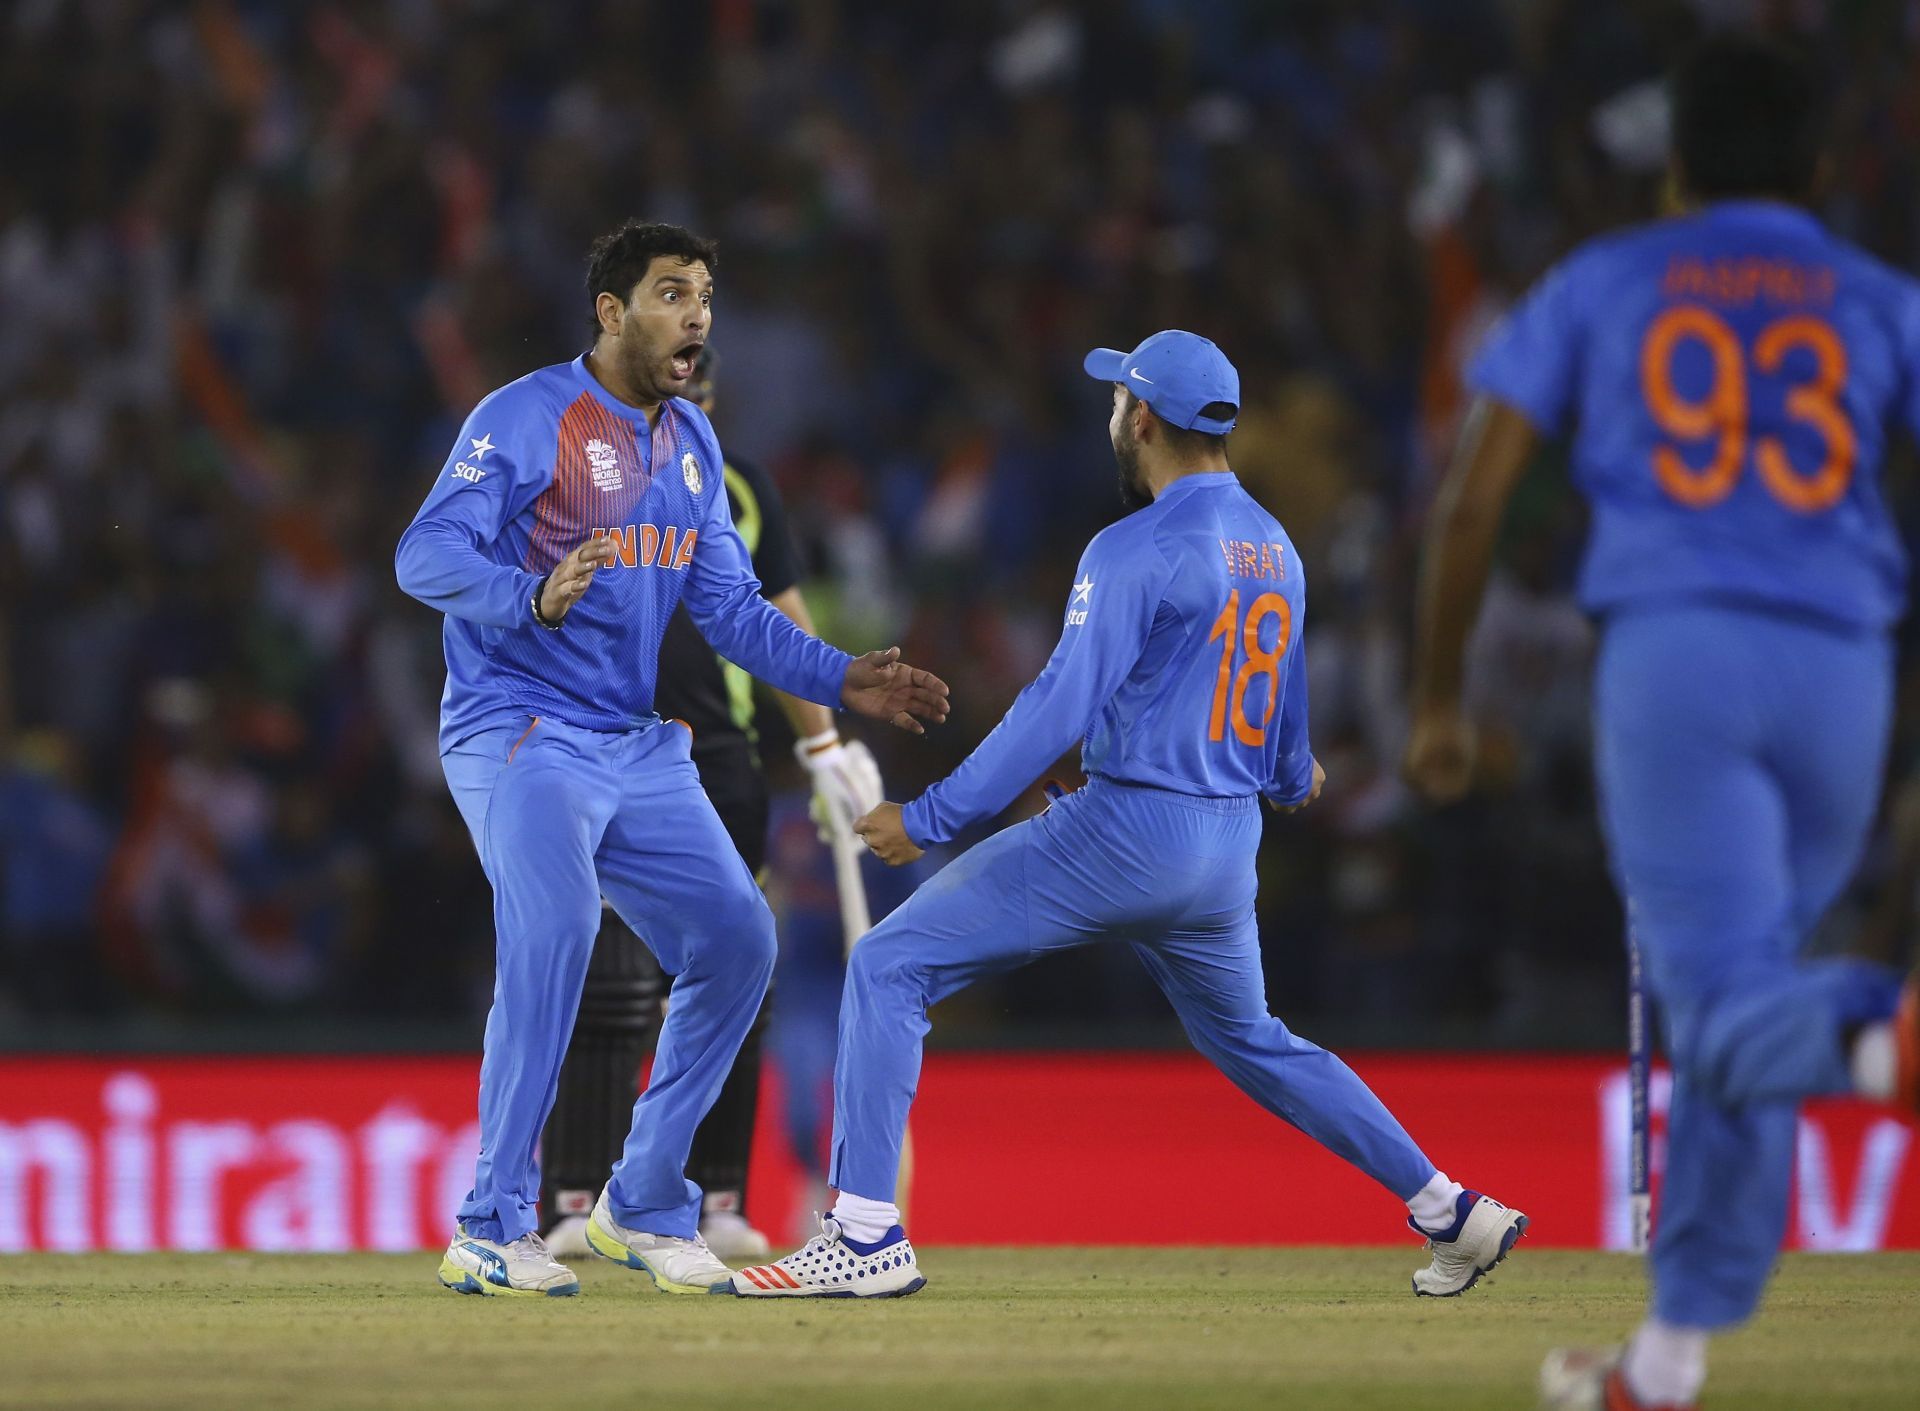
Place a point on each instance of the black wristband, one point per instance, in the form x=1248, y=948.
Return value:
x=539, y=591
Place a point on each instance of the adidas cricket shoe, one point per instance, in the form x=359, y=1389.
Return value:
x=1483, y=1232
x=524, y=1267
x=674, y=1265
x=830, y=1265
x=568, y=1238
x=1589, y=1379
x=732, y=1240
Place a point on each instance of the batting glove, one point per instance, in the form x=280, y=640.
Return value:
x=846, y=781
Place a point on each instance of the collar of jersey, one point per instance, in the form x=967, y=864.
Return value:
x=1188, y=483
x=1760, y=211
x=606, y=398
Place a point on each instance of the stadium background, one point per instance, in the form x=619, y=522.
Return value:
x=256, y=262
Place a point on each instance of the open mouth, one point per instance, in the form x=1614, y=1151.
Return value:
x=685, y=358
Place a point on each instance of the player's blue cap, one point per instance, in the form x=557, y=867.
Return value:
x=1175, y=373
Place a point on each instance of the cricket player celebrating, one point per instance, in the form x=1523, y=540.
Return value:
x=1729, y=376
x=620, y=998
x=579, y=506
x=1180, y=665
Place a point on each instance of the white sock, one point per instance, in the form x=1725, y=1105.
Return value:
x=1432, y=1205
x=866, y=1220
x=1875, y=1062
x=1665, y=1365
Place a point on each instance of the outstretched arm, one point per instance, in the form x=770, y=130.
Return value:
x=723, y=598
x=1108, y=618
x=1526, y=378
x=1496, y=447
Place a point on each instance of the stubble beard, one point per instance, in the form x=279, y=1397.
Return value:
x=643, y=376
x=1133, y=495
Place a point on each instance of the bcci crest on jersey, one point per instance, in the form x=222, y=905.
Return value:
x=690, y=472
x=604, y=462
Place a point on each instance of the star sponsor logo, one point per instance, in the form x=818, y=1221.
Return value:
x=604, y=463
x=468, y=467
x=690, y=472
x=1081, y=603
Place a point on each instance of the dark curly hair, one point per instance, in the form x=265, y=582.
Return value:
x=1747, y=119
x=619, y=259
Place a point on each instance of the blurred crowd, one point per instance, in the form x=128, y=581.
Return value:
x=258, y=259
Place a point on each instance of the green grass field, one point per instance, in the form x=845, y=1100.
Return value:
x=1085, y=1328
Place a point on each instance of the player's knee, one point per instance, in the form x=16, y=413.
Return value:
x=741, y=934
x=552, y=927
x=1731, y=1047
x=886, y=960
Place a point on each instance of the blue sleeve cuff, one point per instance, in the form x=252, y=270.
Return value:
x=1302, y=781
x=917, y=819
x=833, y=677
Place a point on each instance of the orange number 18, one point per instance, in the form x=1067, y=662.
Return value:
x=1226, y=628
x=1721, y=415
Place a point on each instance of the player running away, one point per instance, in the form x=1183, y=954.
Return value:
x=1180, y=665
x=580, y=505
x=1729, y=377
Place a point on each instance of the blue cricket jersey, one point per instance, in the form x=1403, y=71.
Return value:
x=1179, y=666
x=1731, y=376
x=540, y=466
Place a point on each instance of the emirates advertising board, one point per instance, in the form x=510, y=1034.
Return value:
x=343, y=1153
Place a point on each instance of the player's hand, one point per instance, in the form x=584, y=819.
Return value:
x=885, y=832
x=1313, y=792
x=573, y=575
x=881, y=685
x=846, y=781
x=1439, y=760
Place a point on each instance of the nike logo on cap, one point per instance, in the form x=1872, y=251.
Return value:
x=1135, y=373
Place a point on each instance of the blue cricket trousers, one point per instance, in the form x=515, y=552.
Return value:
x=1170, y=874
x=562, y=817
x=1739, y=755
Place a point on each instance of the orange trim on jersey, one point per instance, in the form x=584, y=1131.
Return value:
x=523, y=739
x=564, y=510
x=676, y=720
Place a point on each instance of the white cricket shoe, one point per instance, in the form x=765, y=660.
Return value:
x=1575, y=1378
x=524, y=1267
x=832, y=1266
x=1589, y=1379
x=674, y=1265
x=1482, y=1234
x=568, y=1238
x=732, y=1240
